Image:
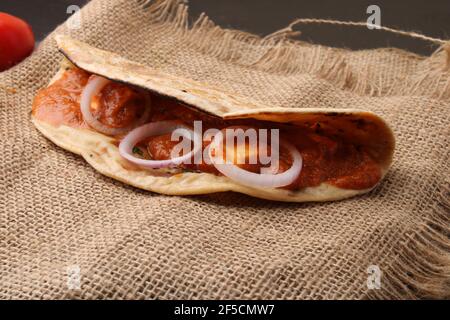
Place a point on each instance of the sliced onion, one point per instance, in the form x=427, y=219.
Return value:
x=251, y=179
x=155, y=129
x=94, y=86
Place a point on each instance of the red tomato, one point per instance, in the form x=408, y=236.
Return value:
x=16, y=40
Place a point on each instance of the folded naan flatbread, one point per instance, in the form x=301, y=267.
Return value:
x=131, y=110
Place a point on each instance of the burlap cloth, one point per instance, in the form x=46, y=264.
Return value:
x=57, y=213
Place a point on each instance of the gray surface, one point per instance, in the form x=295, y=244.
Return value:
x=265, y=16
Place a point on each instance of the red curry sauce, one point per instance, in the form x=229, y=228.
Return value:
x=325, y=159
x=118, y=106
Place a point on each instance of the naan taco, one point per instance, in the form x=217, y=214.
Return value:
x=176, y=136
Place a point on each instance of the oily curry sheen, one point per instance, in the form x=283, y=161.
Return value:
x=327, y=159
x=59, y=103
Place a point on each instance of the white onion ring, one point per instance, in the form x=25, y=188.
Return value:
x=261, y=180
x=94, y=86
x=154, y=129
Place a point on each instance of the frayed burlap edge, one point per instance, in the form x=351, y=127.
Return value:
x=281, y=53
x=422, y=268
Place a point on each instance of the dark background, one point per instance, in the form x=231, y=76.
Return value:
x=262, y=17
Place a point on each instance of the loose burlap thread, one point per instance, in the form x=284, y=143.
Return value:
x=58, y=215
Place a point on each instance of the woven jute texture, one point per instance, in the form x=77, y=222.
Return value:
x=59, y=216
